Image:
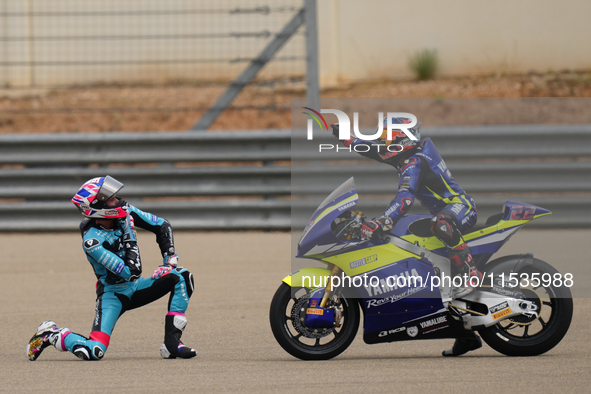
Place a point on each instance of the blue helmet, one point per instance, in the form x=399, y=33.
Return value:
x=400, y=138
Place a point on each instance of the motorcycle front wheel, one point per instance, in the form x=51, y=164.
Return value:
x=531, y=336
x=287, y=314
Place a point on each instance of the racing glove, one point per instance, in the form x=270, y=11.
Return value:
x=375, y=227
x=170, y=262
x=162, y=270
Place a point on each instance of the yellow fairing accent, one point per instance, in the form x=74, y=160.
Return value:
x=428, y=243
x=360, y=261
x=295, y=279
x=431, y=243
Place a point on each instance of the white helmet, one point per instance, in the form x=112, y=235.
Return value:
x=93, y=194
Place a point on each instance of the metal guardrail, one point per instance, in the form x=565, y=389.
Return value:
x=243, y=180
x=135, y=148
x=483, y=142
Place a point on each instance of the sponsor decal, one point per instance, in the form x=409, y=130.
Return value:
x=424, y=155
x=393, y=208
x=457, y=208
x=346, y=206
x=502, y=337
x=436, y=329
x=443, y=167
x=90, y=243
x=315, y=311
x=434, y=322
x=363, y=261
x=410, y=284
x=412, y=331
x=111, y=212
x=313, y=303
x=119, y=268
x=502, y=313
x=389, y=332
x=501, y=306
x=98, y=352
x=310, y=224
x=503, y=291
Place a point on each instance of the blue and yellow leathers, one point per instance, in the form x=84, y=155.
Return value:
x=424, y=175
x=117, y=289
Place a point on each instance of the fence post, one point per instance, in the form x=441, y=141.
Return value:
x=312, y=85
x=251, y=71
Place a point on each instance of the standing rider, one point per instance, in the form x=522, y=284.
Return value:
x=425, y=176
x=110, y=245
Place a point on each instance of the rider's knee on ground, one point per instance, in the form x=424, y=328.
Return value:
x=90, y=351
x=92, y=348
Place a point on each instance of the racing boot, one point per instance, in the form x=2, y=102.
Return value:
x=47, y=334
x=173, y=330
x=463, y=264
x=463, y=345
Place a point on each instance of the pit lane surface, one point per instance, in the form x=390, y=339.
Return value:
x=46, y=276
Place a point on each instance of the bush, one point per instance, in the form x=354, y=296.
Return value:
x=424, y=64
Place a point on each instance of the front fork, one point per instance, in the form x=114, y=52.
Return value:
x=329, y=291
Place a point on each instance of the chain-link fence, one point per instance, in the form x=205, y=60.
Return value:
x=70, y=59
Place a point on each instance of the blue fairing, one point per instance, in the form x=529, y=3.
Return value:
x=318, y=232
x=387, y=303
x=385, y=307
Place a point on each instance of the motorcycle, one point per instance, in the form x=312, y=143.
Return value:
x=403, y=283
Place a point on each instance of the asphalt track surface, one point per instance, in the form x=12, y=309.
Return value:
x=45, y=276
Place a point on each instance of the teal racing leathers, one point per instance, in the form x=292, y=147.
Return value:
x=115, y=259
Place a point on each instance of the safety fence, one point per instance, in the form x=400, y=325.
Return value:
x=124, y=60
x=257, y=179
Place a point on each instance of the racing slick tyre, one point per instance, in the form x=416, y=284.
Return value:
x=531, y=336
x=287, y=315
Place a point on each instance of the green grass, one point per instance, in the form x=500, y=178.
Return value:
x=424, y=64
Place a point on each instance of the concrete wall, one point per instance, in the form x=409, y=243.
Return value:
x=64, y=42
x=374, y=38
x=357, y=39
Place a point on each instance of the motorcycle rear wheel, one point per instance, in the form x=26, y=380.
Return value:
x=286, y=315
x=520, y=336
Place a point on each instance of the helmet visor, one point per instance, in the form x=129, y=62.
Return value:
x=109, y=188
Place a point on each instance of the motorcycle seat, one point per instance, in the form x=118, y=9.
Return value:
x=422, y=227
